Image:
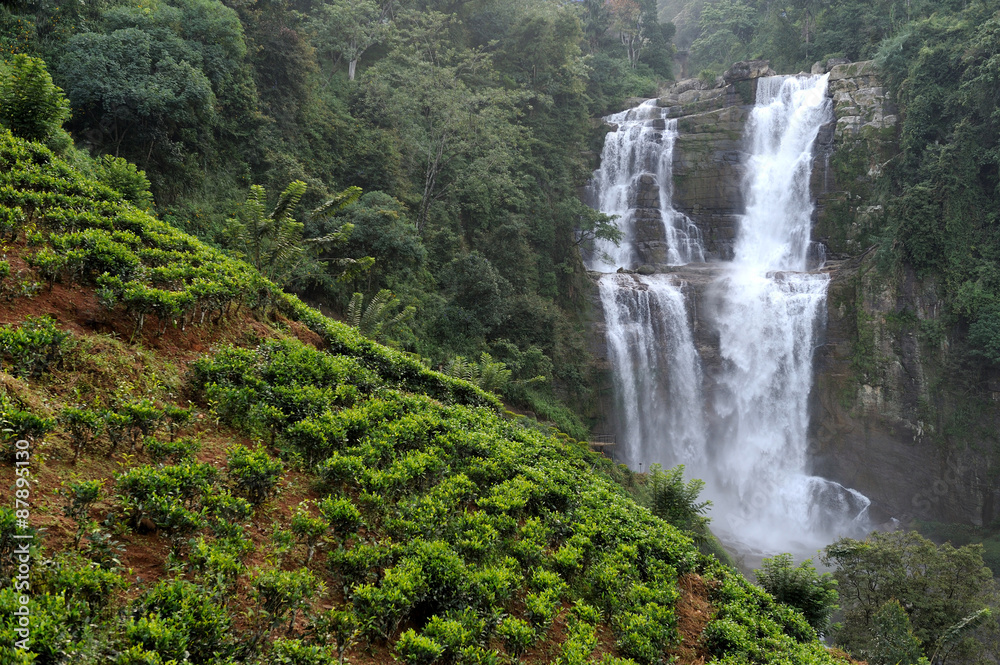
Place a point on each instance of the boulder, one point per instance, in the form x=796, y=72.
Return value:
x=746, y=70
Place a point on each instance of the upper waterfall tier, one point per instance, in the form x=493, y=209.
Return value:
x=774, y=233
x=634, y=183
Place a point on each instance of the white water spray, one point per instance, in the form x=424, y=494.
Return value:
x=768, y=313
x=657, y=370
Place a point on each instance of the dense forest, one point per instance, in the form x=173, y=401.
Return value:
x=225, y=475
x=466, y=128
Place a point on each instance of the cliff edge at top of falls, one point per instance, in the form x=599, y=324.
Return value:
x=709, y=154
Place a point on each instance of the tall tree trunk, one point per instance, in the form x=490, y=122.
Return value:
x=351, y=67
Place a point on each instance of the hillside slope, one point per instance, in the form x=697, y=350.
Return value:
x=219, y=474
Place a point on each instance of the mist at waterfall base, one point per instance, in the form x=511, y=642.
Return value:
x=745, y=434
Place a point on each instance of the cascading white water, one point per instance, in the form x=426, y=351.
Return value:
x=657, y=370
x=641, y=145
x=768, y=313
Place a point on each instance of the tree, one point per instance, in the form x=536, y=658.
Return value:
x=347, y=28
x=384, y=232
x=938, y=586
x=31, y=106
x=812, y=593
x=453, y=120
x=133, y=91
x=627, y=21
x=376, y=320
x=272, y=242
x=727, y=28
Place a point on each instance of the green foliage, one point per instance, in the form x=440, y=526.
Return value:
x=279, y=594
x=670, y=498
x=417, y=649
x=940, y=586
x=173, y=451
x=294, y=652
x=19, y=424
x=812, y=593
x=32, y=347
x=123, y=177
x=308, y=530
x=376, y=320
x=31, y=106
x=253, y=472
x=487, y=373
x=206, y=623
x=84, y=426
x=81, y=495
x=517, y=635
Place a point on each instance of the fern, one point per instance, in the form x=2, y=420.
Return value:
x=376, y=321
x=949, y=640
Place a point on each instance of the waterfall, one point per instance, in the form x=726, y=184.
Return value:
x=768, y=313
x=634, y=184
x=748, y=440
x=657, y=370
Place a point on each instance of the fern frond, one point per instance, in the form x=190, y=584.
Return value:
x=339, y=201
x=354, y=310
x=288, y=200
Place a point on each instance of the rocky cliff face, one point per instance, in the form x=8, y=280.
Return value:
x=896, y=413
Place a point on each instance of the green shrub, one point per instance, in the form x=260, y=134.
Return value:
x=81, y=581
x=18, y=424
x=812, y=593
x=341, y=514
x=416, y=649
x=253, y=472
x=578, y=646
x=219, y=562
x=32, y=347
x=308, y=530
x=164, y=636
x=517, y=636
x=207, y=623
x=175, y=451
x=380, y=609
x=176, y=417
x=279, y=594
x=143, y=418
x=123, y=177
x=547, y=580
x=337, y=626
x=451, y=634
x=294, y=652
x=644, y=634
x=31, y=106
x=226, y=511
x=541, y=608
x=673, y=500
x=80, y=496
x=84, y=427
x=59, y=627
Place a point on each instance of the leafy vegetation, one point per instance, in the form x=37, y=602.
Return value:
x=426, y=522
x=946, y=592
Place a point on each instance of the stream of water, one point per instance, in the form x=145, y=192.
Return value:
x=746, y=433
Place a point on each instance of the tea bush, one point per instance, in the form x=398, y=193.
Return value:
x=29, y=349
x=253, y=472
